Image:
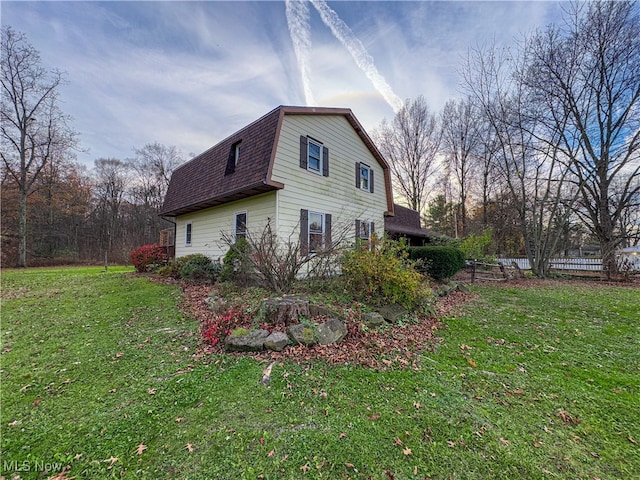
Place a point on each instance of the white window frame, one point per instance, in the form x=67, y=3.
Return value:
x=235, y=223
x=323, y=230
x=366, y=224
x=188, y=234
x=367, y=169
x=320, y=148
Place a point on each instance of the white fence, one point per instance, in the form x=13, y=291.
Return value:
x=565, y=263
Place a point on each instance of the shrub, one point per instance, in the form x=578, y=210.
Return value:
x=198, y=268
x=148, y=258
x=477, y=246
x=236, y=265
x=440, y=263
x=215, y=329
x=383, y=274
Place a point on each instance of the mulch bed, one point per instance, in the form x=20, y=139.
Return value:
x=397, y=346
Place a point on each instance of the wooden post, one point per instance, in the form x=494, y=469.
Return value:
x=473, y=271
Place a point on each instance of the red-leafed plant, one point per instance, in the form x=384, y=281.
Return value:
x=215, y=329
x=148, y=257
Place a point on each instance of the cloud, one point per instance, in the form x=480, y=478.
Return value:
x=300, y=31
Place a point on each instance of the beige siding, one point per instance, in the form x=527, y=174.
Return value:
x=336, y=194
x=208, y=225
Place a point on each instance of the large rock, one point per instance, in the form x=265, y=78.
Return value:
x=393, y=312
x=251, y=342
x=372, y=319
x=304, y=334
x=276, y=341
x=285, y=310
x=331, y=331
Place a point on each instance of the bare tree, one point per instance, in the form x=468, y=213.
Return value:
x=588, y=70
x=533, y=174
x=33, y=130
x=461, y=143
x=410, y=143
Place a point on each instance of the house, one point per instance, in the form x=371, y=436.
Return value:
x=406, y=224
x=312, y=173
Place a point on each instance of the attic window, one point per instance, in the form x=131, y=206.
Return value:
x=314, y=156
x=236, y=152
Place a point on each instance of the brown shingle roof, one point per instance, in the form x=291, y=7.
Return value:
x=406, y=221
x=206, y=181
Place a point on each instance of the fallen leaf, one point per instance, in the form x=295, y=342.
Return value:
x=471, y=362
x=270, y=454
x=141, y=448
x=179, y=419
x=505, y=442
x=119, y=355
x=305, y=468
x=349, y=465
x=189, y=447
x=113, y=390
x=630, y=438
x=375, y=416
x=397, y=441
x=342, y=435
x=261, y=441
x=417, y=405
x=111, y=460
x=152, y=391
x=14, y=423
x=407, y=451
x=451, y=443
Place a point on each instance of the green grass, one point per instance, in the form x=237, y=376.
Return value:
x=531, y=383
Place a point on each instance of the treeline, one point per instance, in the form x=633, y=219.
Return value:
x=77, y=215
x=544, y=147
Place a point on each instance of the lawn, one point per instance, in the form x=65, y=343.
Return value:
x=102, y=378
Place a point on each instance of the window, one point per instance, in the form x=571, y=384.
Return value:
x=364, y=177
x=240, y=229
x=314, y=153
x=363, y=230
x=315, y=231
x=236, y=153
x=187, y=234
x=314, y=156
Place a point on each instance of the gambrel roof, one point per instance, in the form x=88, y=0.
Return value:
x=212, y=178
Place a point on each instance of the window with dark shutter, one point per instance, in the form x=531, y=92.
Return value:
x=315, y=231
x=314, y=156
x=357, y=174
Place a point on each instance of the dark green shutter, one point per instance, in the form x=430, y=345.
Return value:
x=303, y=152
x=325, y=162
x=357, y=174
x=327, y=231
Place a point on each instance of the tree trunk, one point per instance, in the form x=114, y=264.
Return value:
x=22, y=229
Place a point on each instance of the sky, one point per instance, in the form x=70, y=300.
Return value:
x=189, y=74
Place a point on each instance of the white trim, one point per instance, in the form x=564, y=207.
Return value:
x=188, y=234
x=235, y=223
x=323, y=229
x=236, y=152
x=320, y=159
x=364, y=166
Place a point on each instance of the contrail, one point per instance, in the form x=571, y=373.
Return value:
x=300, y=32
x=355, y=47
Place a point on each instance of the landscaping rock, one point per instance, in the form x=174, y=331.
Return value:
x=463, y=288
x=393, y=312
x=303, y=334
x=214, y=303
x=285, y=310
x=331, y=331
x=251, y=342
x=276, y=341
x=372, y=319
x=320, y=311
